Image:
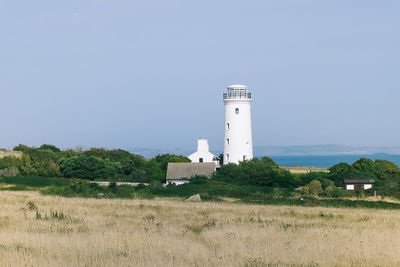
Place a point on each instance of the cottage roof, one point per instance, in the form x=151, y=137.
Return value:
x=176, y=171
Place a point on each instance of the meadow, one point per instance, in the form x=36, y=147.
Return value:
x=45, y=230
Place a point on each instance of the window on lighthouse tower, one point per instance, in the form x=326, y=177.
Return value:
x=236, y=110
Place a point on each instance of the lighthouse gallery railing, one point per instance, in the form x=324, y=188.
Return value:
x=238, y=95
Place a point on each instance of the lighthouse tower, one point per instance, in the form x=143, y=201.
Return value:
x=238, y=144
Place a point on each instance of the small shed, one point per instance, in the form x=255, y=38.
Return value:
x=355, y=183
x=180, y=173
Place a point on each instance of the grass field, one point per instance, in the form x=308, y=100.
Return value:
x=301, y=169
x=163, y=232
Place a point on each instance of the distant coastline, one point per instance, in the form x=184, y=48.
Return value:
x=324, y=150
x=330, y=160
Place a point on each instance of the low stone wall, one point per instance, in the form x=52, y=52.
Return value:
x=6, y=153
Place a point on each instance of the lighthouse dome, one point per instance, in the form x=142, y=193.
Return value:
x=237, y=86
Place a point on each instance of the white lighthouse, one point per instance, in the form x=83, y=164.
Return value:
x=238, y=145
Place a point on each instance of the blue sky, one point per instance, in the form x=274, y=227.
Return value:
x=120, y=73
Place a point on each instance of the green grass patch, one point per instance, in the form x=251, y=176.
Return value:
x=93, y=190
x=209, y=189
x=34, y=181
x=313, y=202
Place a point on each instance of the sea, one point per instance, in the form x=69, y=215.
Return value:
x=328, y=161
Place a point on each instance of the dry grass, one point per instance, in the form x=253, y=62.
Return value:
x=101, y=232
x=302, y=170
x=7, y=153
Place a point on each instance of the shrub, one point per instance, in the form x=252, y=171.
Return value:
x=339, y=192
x=112, y=186
x=329, y=191
x=359, y=192
x=199, y=179
x=313, y=188
x=140, y=187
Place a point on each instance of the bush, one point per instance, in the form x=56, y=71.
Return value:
x=140, y=187
x=112, y=186
x=199, y=179
x=339, y=192
x=313, y=188
x=359, y=192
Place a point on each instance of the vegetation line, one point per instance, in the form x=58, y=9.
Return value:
x=72, y=173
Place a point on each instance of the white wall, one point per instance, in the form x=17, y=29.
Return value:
x=350, y=187
x=206, y=156
x=239, y=132
x=367, y=186
x=177, y=182
x=202, y=152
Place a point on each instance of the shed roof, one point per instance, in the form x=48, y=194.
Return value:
x=187, y=170
x=359, y=180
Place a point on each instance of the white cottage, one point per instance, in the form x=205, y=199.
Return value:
x=203, y=153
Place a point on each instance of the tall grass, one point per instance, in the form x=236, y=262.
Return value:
x=161, y=232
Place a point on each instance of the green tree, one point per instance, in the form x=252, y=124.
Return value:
x=90, y=167
x=267, y=161
x=39, y=162
x=50, y=147
x=21, y=147
x=133, y=166
x=339, y=172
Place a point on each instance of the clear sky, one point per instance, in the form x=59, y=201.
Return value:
x=151, y=73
